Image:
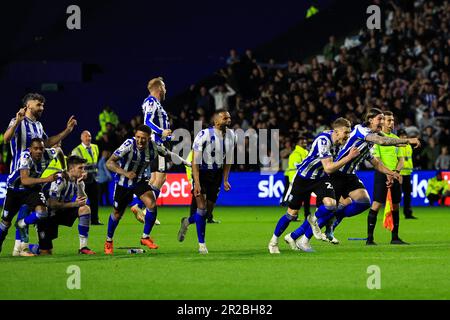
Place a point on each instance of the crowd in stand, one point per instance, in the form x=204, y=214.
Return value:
x=404, y=68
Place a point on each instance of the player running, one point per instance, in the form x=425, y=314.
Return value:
x=346, y=182
x=24, y=186
x=67, y=203
x=130, y=162
x=213, y=148
x=312, y=176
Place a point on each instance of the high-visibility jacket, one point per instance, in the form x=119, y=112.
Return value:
x=91, y=158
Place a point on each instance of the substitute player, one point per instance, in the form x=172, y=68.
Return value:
x=213, y=148
x=351, y=192
x=130, y=162
x=67, y=203
x=312, y=176
x=24, y=186
x=392, y=158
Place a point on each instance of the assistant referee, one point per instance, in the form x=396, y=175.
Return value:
x=393, y=158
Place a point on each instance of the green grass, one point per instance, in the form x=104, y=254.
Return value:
x=238, y=265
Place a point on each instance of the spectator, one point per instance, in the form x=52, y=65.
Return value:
x=221, y=94
x=443, y=160
x=430, y=154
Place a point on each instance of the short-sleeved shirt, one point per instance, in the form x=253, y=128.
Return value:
x=63, y=190
x=214, y=147
x=321, y=148
x=156, y=118
x=26, y=163
x=133, y=159
x=356, y=139
x=388, y=155
x=25, y=132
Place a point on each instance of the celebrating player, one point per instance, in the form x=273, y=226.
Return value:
x=24, y=186
x=67, y=202
x=312, y=176
x=345, y=181
x=157, y=119
x=130, y=162
x=213, y=148
x=24, y=127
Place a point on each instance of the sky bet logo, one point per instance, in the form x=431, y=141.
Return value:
x=270, y=188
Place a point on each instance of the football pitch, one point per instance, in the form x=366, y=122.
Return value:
x=238, y=265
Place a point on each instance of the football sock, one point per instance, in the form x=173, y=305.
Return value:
x=150, y=218
x=300, y=230
x=356, y=207
x=282, y=224
x=200, y=221
x=323, y=211
x=83, y=229
x=396, y=219
x=33, y=217
x=112, y=225
x=371, y=222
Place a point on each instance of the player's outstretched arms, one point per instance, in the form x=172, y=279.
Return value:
x=387, y=141
x=329, y=166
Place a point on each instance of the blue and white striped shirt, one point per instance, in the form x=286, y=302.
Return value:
x=156, y=118
x=26, y=163
x=132, y=159
x=25, y=132
x=214, y=147
x=311, y=167
x=356, y=139
x=63, y=190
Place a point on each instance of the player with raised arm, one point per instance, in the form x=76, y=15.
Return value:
x=67, y=203
x=213, y=148
x=24, y=186
x=312, y=176
x=130, y=162
x=345, y=181
x=21, y=130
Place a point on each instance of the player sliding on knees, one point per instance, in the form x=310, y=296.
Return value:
x=213, y=147
x=67, y=203
x=130, y=163
x=312, y=176
x=345, y=182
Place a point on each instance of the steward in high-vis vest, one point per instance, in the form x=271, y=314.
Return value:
x=90, y=152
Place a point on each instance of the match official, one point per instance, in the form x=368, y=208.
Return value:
x=392, y=158
x=406, y=176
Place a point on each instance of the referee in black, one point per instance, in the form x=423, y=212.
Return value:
x=392, y=157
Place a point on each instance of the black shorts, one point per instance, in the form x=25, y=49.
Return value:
x=48, y=228
x=210, y=182
x=123, y=196
x=345, y=183
x=302, y=187
x=162, y=163
x=380, y=190
x=15, y=199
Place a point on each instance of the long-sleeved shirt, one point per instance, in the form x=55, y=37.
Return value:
x=221, y=98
